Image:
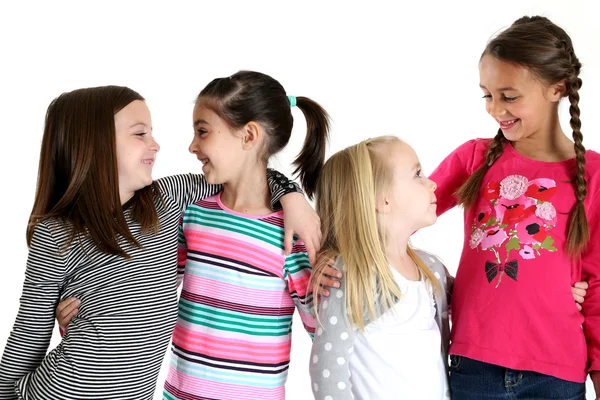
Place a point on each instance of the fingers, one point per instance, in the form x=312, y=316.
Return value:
x=323, y=292
x=326, y=282
x=578, y=294
x=582, y=285
x=67, y=320
x=288, y=240
x=329, y=270
x=578, y=299
x=579, y=308
x=67, y=307
x=319, y=231
x=316, y=245
x=312, y=254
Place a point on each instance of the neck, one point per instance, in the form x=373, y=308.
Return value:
x=125, y=196
x=248, y=192
x=548, y=144
x=396, y=245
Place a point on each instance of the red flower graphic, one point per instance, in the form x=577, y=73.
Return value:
x=492, y=191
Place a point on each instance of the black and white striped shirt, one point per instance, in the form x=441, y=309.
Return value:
x=115, y=345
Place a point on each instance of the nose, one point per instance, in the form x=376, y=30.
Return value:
x=193, y=148
x=154, y=146
x=495, y=108
x=432, y=185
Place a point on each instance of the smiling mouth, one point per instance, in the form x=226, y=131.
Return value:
x=204, y=161
x=148, y=161
x=509, y=123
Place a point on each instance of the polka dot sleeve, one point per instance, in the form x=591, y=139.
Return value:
x=332, y=349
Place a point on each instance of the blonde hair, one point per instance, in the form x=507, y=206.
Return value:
x=345, y=200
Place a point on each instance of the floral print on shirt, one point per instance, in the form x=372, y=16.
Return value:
x=515, y=221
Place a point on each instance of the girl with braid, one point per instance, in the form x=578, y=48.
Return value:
x=530, y=199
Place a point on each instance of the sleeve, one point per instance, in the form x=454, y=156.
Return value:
x=30, y=337
x=332, y=349
x=280, y=185
x=442, y=297
x=189, y=188
x=454, y=171
x=591, y=274
x=181, y=252
x=297, y=271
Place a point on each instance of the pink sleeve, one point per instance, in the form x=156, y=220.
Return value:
x=591, y=274
x=455, y=170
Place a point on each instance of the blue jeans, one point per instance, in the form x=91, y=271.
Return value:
x=475, y=380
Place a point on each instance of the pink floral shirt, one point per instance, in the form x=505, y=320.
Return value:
x=512, y=304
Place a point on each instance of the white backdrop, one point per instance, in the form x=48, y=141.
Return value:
x=377, y=67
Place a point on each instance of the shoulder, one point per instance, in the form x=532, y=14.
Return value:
x=433, y=262
x=469, y=155
x=474, y=146
x=592, y=167
x=169, y=183
x=592, y=159
x=53, y=229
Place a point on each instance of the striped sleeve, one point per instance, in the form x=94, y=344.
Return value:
x=280, y=185
x=30, y=337
x=186, y=189
x=189, y=188
x=181, y=252
x=297, y=271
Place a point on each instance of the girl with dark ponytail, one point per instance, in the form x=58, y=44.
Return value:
x=240, y=289
x=529, y=196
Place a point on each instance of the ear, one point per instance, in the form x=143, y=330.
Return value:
x=557, y=91
x=382, y=204
x=251, y=134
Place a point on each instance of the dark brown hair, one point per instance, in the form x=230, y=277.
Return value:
x=251, y=96
x=78, y=178
x=547, y=51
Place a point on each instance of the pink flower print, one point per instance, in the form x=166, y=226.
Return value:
x=546, y=211
x=531, y=230
x=476, y=238
x=542, y=189
x=513, y=187
x=514, y=211
x=493, y=237
x=527, y=253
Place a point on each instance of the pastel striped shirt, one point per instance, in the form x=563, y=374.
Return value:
x=116, y=343
x=232, y=339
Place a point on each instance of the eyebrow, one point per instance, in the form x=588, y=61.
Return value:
x=138, y=123
x=501, y=89
x=200, y=121
x=417, y=166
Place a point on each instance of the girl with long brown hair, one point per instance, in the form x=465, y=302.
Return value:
x=530, y=198
x=103, y=231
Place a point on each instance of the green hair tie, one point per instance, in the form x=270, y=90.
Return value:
x=292, y=100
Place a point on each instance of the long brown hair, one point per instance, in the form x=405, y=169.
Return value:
x=252, y=96
x=78, y=179
x=547, y=51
